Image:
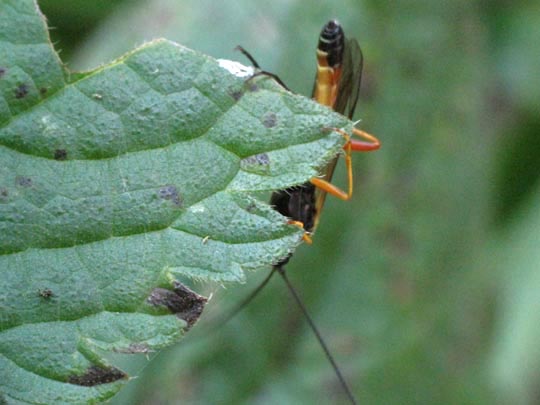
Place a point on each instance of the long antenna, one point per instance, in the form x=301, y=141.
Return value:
x=246, y=300
x=318, y=335
x=260, y=71
x=279, y=269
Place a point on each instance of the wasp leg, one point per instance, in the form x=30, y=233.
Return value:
x=331, y=189
x=361, y=146
x=350, y=145
x=357, y=145
x=306, y=237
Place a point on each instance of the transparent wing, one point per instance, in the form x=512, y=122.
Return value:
x=351, y=78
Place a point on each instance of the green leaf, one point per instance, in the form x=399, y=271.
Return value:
x=122, y=187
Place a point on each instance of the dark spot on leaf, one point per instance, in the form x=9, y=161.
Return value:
x=171, y=193
x=43, y=90
x=23, y=181
x=2, y=71
x=60, y=154
x=4, y=193
x=134, y=348
x=185, y=303
x=260, y=159
x=21, y=91
x=250, y=207
x=45, y=293
x=237, y=95
x=253, y=87
x=270, y=120
x=97, y=375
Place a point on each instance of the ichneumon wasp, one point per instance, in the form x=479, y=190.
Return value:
x=337, y=85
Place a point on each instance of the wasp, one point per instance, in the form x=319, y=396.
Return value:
x=337, y=85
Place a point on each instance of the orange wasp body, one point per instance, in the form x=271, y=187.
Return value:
x=337, y=85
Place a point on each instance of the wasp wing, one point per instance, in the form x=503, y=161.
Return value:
x=351, y=79
x=347, y=98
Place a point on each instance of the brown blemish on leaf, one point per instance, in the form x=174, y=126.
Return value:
x=250, y=207
x=4, y=193
x=253, y=87
x=2, y=71
x=269, y=120
x=171, y=193
x=21, y=91
x=45, y=293
x=185, y=303
x=60, y=154
x=23, y=181
x=261, y=159
x=237, y=95
x=97, y=375
x=43, y=90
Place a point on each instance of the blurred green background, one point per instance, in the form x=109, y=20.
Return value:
x=426, y=285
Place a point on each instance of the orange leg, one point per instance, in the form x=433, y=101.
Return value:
x=306, y=237
x=350, y=145
x=361, y=146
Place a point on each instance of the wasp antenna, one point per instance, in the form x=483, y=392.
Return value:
x=247, y=55
x=260, y=71
x=273, y=76
x=246, y=301
x=318, y=335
